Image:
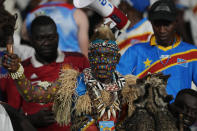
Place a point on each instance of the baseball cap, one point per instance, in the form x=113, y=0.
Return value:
x=163, y=10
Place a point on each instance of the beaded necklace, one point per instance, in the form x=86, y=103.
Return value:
x=117, y=84
x=97, y=87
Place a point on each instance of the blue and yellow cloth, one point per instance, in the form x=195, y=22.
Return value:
x=179, y=60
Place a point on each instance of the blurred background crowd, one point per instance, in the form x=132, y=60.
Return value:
x=135, y=10
x=76, y=26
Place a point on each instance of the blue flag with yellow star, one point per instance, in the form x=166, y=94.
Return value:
x=178, y=60
x=106, y=126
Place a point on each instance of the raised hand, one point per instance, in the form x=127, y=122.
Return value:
x=11, y=62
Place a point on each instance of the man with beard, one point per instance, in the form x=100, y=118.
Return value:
x=91, y=99
x=165, y=52
x=184, y=108
x=44, y=66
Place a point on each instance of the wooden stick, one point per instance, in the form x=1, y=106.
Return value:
x=9, y=45
x=10, y=48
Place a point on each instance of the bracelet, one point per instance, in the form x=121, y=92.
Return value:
x=44, y=84
x=19, y=73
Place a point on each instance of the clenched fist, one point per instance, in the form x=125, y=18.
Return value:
x=11, y=62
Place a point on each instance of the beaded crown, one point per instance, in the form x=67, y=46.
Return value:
x=104, y=43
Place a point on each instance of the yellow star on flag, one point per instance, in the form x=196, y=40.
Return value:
x=147, y=62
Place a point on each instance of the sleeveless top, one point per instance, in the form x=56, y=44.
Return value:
x=62, y=14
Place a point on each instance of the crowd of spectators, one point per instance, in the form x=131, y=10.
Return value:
x=152, y=43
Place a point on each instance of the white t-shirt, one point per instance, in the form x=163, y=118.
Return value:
x=5, y=122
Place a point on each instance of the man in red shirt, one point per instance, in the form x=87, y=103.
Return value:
x=45, y=65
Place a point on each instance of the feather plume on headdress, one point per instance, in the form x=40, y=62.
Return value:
x=103, y=37
x=103, y=32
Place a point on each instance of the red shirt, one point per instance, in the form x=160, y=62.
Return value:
x=50, y=73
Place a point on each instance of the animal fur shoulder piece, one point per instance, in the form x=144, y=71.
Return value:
x=63, y=98
x=150, y=106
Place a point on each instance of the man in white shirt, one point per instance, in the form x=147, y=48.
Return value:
x=5, y=122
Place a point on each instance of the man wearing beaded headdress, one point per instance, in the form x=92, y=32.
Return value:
x=89, y=100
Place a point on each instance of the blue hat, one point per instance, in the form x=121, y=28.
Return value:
x=140, y=5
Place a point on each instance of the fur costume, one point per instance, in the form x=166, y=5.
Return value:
x=150, y=106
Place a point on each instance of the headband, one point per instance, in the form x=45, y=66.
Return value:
x=104, y=43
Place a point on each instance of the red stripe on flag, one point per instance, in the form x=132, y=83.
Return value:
x=173, y=60
x=139, y=37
